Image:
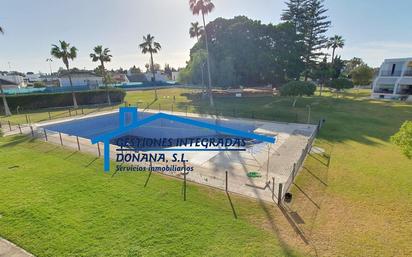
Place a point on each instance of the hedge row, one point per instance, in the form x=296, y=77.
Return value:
x=36, y=101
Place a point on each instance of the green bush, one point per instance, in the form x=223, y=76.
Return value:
x=298, y=88
x=39, y=84
x=36, y=101
x=403, y=139
x=340, y=84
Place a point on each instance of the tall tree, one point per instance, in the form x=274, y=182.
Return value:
x=311, y=24
x=295, y=14
x=66, y=53
x=204, y=7
x=3, y=96
x=196, y=31
x=315, y=27
x=102, y=55
x=152, y=47
x=335, y=42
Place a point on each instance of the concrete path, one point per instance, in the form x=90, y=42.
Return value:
x=8, y=249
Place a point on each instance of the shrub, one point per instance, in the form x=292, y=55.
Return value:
x=297, y=88
x=403, y=138
x=35, y=101
x=340, y=84
x=39, y=84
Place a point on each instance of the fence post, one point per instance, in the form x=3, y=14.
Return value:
x=61, y=140
x=45, y=134
x=32, y=132
x=98, y=149
x=78, y=144
x=27, y=119
x=76, y=111
x=0, y=124
x=82, y=110
x=184, y=181
x=20, y=129
x=186, y=110
x=172, y=108
x=273, y=187
x=49, y=115
x=293, y=172
x=70, y=112
x=9, y=125
x=226, y=181
x=280, y=193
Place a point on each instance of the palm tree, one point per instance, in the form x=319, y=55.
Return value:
x=335, y=42
x=6, y=106
x=195, y=31
x=152, y=47
x=66, y=53
x=204, y=7
x=102, y=55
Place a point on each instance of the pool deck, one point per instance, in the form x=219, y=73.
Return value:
x=8, y=249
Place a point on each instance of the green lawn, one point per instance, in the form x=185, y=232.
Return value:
x=60, y=203
x=355, y=200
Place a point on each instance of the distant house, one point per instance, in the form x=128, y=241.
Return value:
x=81, y=79
x=119, y=77
x=136, y=77
x=31, y=77
x=14, y=78
x=159, y=76
x=6, y=84
x=175, y=75
x=394, y=80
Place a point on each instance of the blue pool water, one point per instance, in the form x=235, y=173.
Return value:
x=162, y=128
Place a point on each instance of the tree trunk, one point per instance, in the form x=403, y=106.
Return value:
x=333, y=55
x=212, y=103
x=321, y=88
x=201, y=69
x=109, y=102
x=73, y=94
x=295, y=99
x=6, y=106
x=153, y=71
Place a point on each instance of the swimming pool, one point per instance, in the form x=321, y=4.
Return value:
x=161, y=128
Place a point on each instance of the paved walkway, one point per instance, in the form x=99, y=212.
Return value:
x=8, y=249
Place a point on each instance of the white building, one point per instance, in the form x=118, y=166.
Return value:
x=175, y=75
x=7, y=84
x=31, y=77
x=81, y=79
x=394, y=80
x=159, y=76
x=16, y=79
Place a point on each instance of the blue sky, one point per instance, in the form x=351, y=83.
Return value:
x=373, y=30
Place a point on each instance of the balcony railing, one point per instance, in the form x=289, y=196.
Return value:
x=408, y=73
x=389, y=73
x=383, y=91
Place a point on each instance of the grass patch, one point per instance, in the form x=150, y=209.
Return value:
x=56, y=202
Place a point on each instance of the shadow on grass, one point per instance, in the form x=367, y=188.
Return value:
x=231, y=205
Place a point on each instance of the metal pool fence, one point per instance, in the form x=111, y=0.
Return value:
x=269, y=188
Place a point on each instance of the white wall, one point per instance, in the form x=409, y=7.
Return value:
x=81, y=81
